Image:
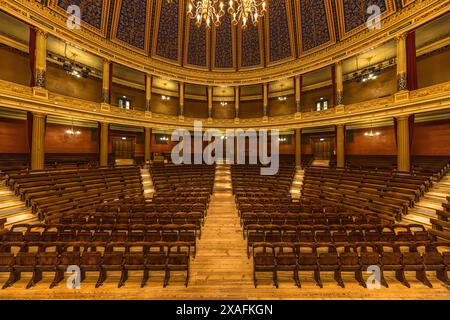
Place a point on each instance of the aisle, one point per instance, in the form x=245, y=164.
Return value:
x=221, y=264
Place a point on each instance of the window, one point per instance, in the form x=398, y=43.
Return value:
x=124, y=102
x=322, y=104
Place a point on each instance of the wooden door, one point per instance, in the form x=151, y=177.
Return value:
x=123, y=148
x=323, y=148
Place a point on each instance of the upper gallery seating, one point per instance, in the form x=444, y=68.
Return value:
x=387, y=193
x=432, y=167
x=15, y=164
x=318, y=233
x=441, y=226
x=56, y=191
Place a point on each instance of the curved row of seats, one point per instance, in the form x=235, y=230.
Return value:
x=357, y=258
x=59, y=258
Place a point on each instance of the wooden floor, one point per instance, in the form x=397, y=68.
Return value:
x=222, y=270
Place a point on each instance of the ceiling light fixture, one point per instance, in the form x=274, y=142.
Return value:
x=282, y=98
x=224, y=103
x=209, y=11
x=244, y=10
x=371, y=133
x=165, y=98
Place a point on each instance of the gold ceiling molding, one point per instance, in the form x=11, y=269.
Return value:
x=428, y=99
x=415, y=14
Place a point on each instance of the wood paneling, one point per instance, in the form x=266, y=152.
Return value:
x=251, y=109
x=433, y=69
x=309, y=98
x=58, y=141
x=431, y=138
x=223, y=112
x=383, y=144
x=195, y=109
x=13, y=136
x=58, y=81
x=14, y=67
x=136, y=96
x=169, y=107
x=281, y=108
x=384, y=85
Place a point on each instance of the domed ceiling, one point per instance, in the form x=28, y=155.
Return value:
x=161, y=29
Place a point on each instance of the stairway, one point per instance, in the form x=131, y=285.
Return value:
x=297, y=184
x=147, y=183
x=13, y=209
x=321, y=163
x=425, y=209
x=222, y=179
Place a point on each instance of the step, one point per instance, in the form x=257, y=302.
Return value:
x=423, y=212
x=434, y=199
x=412, y=218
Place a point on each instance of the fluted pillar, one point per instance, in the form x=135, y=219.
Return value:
x=147, y=144
x=104, y=133
x=210, y=101
x=298, y=147
x=339, y=84
x=38, y=142
x=148, y=92
x=40, y=68
x=237, y=101
x=298, y=93
x=340, y=148
x=403, y=147
x=265, y=99
x=106, y=82
x=402, y=83
x=181, y=95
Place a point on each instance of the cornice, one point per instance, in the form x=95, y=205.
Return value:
x=423, y=100
x=408, y=18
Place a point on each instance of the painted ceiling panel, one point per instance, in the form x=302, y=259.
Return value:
x=167, y=40
x=93, y=12
x=315, y=17
x=224, y=44
x=354, y=14
x=279, y=30
x=251, y=46
x=289, y=26
x=197, y=45
x=132, y=22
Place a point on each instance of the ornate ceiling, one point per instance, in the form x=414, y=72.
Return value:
x=290, y=30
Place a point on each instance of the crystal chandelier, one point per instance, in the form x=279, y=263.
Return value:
x=209, y=11
x=245, y=10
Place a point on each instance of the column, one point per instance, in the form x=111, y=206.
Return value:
x=265, y=99
x=210, y=101
x=104, y=132
x=38, y=142
x=403, y=148
x=339, y=84
x=298, y=92
x=148, y=92
x=237, y=101
x=401, y=63
x=106, y=82
x=41, y=58
x=340, y=148
x=181, y=95
x=147, y=144
x=298, y=148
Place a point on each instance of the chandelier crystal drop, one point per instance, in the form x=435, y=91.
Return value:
x=246, y=10
x=210, y=11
